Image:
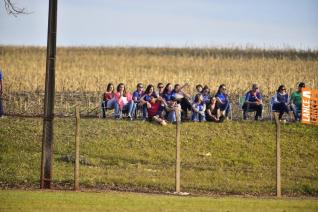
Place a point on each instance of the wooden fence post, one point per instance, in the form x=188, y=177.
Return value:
x=278, y=173
x=178, y=159
x=77, y=149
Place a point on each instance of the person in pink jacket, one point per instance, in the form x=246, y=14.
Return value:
x=123, y=102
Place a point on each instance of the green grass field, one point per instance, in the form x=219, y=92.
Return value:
x=115, y=201
x=234, y=157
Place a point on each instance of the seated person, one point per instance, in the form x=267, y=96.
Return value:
x=123, y=102
x=160, y=88
x=137, y=97
x=108, y=98
x=295, y=101
x=281, y=102
x=183, y=99
x=222, y=101
x=198, y=88
x=212, y=113
x=171, y=105
x=198, y=109
x=153, y=105
x=206, y=94
x=253, y=102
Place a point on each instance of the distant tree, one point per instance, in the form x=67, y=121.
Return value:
x=12, y=9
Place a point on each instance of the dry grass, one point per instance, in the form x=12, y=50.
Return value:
x=90, y=69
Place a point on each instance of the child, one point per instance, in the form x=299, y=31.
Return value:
x=198, y=109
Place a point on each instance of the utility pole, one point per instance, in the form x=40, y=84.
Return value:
x=47, y=138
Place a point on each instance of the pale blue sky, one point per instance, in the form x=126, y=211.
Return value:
x=174, y=23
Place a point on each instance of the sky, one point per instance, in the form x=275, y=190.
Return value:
x=169, y=23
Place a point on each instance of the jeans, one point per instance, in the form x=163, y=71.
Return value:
x=224, y=107
x=250, y=107
x=171, y=116
x=198, y=117
x=130, y=107
x=144, y=111
x=296, y=110
x=1, y=107
x=282, y=108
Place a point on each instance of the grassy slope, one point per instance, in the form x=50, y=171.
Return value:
x=115, y=201
x=233, y=157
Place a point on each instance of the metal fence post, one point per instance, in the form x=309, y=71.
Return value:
x=77, y=149
x=178, y=159
x=278, y=171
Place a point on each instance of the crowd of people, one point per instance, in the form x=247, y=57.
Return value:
x=167, y=102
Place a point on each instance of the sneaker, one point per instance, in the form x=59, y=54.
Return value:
x=163, y=123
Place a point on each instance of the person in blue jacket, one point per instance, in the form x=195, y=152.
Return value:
x=253, y=102
x=222, y=101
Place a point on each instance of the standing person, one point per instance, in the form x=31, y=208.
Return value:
x=137, y=100
x=108, y=98
x=171, y=105
x=222, y=101
x=253, y=102
x=1, y=93
x=295, y=101
x=123, y=102
x=198, y=109
x=281, y=102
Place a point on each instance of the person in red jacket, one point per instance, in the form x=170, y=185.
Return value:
x=153, y=104
x=124, y=102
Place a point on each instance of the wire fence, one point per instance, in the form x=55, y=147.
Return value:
x=31, y=104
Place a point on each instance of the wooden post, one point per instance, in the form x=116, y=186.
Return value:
x=278, y=173
x=77, y=149
x=47, y=138
x=178, y=160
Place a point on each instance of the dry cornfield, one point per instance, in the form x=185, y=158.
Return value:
x=86, y=71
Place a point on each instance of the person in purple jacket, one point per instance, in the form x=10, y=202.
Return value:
x=253, y=102
x=138, y=104
x=281, y=102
